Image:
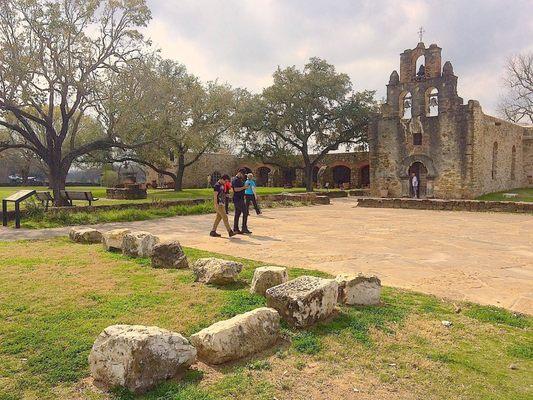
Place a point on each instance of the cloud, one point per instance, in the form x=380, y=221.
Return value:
x=243, y=41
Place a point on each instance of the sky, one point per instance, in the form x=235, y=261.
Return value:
x=242, y=42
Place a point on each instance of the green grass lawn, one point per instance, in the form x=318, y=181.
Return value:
x=38, y=219
x=153, y=194
x=524, y=194
x=57, y=296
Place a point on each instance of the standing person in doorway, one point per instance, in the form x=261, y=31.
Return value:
x=238, y=186
x=414, y=185
x=219, y=199
x=227, y=187
x=251, y=193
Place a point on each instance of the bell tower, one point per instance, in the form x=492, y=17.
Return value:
x=424, y=88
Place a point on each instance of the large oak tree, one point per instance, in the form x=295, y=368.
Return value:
x=308, y=113
x=56, y=59
x=178, y=116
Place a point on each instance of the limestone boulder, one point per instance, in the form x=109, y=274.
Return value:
x=169, y=255
x=216, y=270
x=85, y=235
x=112, y=240
x=304, y=300
x=358, y=289
x=267, y=277
x=138, y=357
x=139, y=244
x=238, y=337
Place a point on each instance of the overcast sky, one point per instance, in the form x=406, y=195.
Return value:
x=243, y=41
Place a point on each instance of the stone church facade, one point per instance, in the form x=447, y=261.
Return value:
x=455, y=150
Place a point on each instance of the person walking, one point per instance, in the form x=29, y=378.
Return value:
x=251, y=193
x=414, y=185
x=238, y=186
x=219, y=199
x=227, y=187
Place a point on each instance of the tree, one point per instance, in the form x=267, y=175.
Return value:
x=179, y=117
x=517, y=104
x=307, y=113
x=56, y=58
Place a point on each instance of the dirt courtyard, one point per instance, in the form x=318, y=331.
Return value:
x=481, y=257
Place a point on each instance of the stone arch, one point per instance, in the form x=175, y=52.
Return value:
x=428, y=163
x=246, y=168
x=420, y=171
x=215, y=176
x=420, y=67
x=341, y=175
x=429, y=175
x=406, y=105
x=288, y=176
x=431, y=101
x=262, y=175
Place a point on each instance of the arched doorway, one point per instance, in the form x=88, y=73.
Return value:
x=262, y=176
x=246, y=170
x=341, y=175
x=289, y=176
x=215, y=176
x=365, y=176
x=421, y=173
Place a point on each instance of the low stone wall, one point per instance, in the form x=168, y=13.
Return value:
x=311, y=198
x=127, y=193
x=335, y=194
x=122, y=206
x=359, y=192
x=447, y=205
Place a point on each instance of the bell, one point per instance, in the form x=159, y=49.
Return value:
x=433, y=102
x=407, y=103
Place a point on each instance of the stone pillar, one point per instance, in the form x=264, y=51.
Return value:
x=355, y=177
x=406, y=190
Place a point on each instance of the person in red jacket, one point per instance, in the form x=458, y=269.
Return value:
x=227, y=188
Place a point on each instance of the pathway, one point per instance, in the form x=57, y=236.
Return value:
x=481, y=257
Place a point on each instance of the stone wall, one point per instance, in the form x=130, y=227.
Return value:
x=446, y=205
x=527, y=154
x=497, y=154
x=215, y=164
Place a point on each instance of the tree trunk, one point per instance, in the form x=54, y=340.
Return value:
x=308, y=177
x=58, y=176
x=178, y=179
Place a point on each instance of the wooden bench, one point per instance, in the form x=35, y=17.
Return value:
x=84, y=196
x=45, y=198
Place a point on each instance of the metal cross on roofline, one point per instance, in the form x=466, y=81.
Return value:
x=421, y=32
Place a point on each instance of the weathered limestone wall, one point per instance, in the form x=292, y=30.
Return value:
x=216, y=163
x=507, y=138
x=443, y=153
x=527, y=154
